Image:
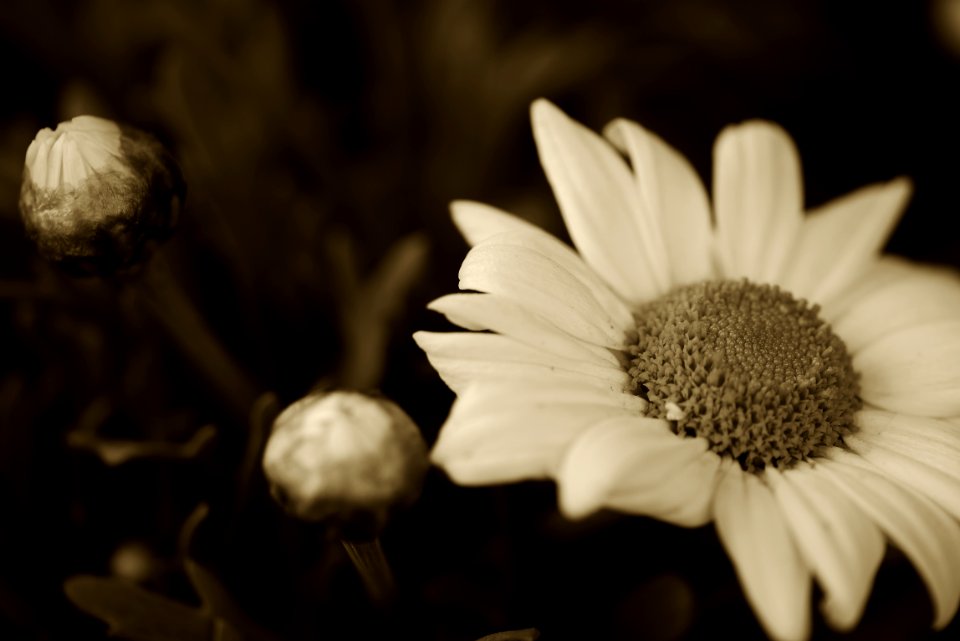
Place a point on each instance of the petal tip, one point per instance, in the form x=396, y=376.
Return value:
x=464, y=214
x=546, y=118
x=478, y=221
x=576, y=506
x=541, y=108
x=616, y=132
x=423, y=339
x=902, y=188
x=756, y=130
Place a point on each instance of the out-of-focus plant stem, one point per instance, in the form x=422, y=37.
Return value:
x=374, y=571
x=165, y=299
x=369, y=307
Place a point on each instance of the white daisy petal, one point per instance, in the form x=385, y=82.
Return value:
x=539, y=242
x=934, y=442
x=509, y=318
x=922, y=295
x=597, y=198
x=914, y=370
x=522, y=275
x=637, y=465
x=929, y=538
x=942, y=488
x=464, y=358
x=499, y=433
x=685, y=500
x=554, y=262
x=839, y=543
x=478, y=221
x=839, y=240
x=525, y=276
x=755, y=535
x=673, y=200
x=758, y=199
x=541, y=380
x=884, y=272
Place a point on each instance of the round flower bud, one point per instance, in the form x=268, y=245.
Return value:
x=95, y=194
x=346, y=457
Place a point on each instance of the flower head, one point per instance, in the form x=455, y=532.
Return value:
x=347, y=457
x=739, y=362
x=95, y=194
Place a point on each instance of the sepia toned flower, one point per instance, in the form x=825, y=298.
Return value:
x=735, y=361
x=345, y=456
x=95, y=195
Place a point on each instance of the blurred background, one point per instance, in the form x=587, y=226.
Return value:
x=321, y=143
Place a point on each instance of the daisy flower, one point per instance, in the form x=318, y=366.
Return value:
x=740, y=362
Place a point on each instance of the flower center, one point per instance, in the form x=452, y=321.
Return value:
x=747, y=367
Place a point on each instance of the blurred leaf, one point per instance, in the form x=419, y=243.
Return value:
x=212, y=595
x=386, y=289
x=218, y=603
x=136, y=614
x=116, y=452
x=216, y=600
x=262, y=415
x=369, y=308
x=189, y=528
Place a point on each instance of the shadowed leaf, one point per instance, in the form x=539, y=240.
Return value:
x=139, y=615
x=218, y=603
x=117, y=452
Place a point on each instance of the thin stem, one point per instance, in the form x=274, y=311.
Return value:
x=262, y=415
x=169, y=304
x=373, y=569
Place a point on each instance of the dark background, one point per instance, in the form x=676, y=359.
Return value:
x=306, y=129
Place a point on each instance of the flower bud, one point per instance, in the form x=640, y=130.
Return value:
x=346, y=457
x=96, y=195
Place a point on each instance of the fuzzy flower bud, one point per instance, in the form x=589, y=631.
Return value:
x=96, y=194
x=347, y=457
